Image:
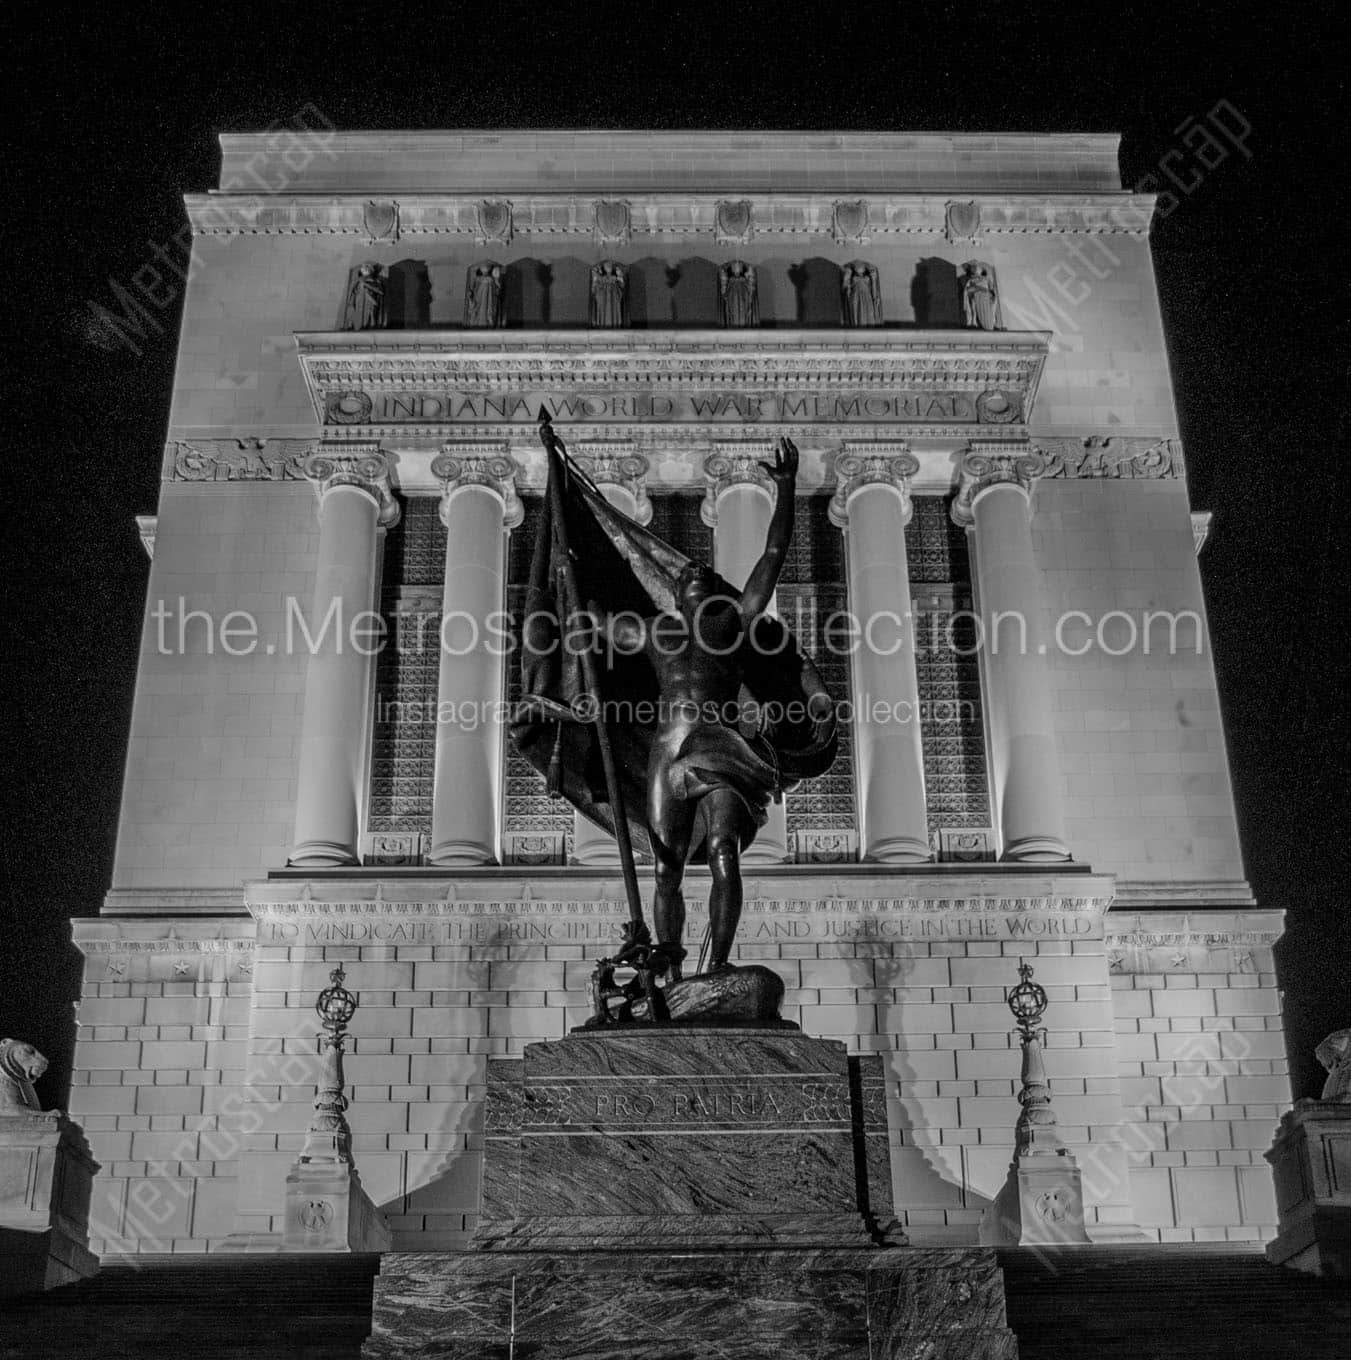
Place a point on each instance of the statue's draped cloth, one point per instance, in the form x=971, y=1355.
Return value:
x=621, y=567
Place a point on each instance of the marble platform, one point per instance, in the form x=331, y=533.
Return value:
x=878, y=1304
x=685, y=1137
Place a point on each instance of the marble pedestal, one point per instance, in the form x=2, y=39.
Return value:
x=688, y=1193
x=46, y=1175
x=1311, y=1163
x=684, y=1136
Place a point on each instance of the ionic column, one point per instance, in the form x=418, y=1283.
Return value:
x=479, y=506
x=872, y=505
x=356, y=506
x=621, y=476
x=738, y=504
x=994, y=504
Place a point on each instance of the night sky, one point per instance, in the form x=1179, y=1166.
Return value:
x=117, y=115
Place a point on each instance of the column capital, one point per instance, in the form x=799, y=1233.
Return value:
x=480, y=464
x=871, y=462
x=988, y=463
x=618, y=465
x=732, y=465
x=357, y=463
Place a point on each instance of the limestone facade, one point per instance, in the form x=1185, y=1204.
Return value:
x=301, y=460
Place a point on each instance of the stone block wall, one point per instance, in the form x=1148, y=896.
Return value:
x=159, y=1079
x=1201, y=1056
x=195, y=1087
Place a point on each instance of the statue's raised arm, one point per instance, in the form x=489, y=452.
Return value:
x=764, y=575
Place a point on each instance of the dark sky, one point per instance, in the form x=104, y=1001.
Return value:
x=117, y=114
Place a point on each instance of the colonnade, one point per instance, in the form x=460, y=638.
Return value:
x=871, y=505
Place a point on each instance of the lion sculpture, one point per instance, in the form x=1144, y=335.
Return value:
x=20, y=1066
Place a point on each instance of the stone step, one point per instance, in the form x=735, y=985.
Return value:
x=1199, y=1303
x=1095, y=1303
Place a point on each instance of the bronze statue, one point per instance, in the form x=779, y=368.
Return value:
x=685, y=710
x=365, y=299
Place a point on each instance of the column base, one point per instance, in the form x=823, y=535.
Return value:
x=1037, y=850
x=322, y=855
x=461, y=854
x=898, y=850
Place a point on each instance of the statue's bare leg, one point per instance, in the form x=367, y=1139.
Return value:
x=726, y=816
x=671, y=821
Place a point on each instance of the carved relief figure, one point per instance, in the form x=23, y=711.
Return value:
x=20, y=1066
x=609, y=294
x=980, y=296
x=366, y=299
x=861, y=294
x=738, y=301
x=483, y=295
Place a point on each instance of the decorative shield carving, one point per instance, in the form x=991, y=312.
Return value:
x=613, y=222
x=494, y=222
x=381, y=221
x=997, y=407
x=733, y=222
x=962, y=223
x=850, y=222
x=347, y=408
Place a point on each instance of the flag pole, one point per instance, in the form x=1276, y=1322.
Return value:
x=638, y=932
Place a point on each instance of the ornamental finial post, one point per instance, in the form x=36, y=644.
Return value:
x=1042, y=1200
x=329, y=1139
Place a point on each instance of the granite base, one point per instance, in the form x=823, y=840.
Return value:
x=870, y=1304
x=685, y=1137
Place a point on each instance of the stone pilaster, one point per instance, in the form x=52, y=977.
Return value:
x=872, y=505
x=479, y=506
x=738, y=505
x=994, y=504
x=356, y=506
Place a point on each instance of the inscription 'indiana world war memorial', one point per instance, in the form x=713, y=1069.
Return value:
x=723, y=922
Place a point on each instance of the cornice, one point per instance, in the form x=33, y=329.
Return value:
x=671, y=215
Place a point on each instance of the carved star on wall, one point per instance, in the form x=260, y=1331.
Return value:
x=182, y=966
x=246, y=966
x=1178, y=960
x=117, y=967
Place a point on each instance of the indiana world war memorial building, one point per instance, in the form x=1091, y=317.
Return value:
x=994, y=564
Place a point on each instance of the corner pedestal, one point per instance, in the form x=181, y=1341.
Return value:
x=687, y=1193
x=327, y=1209
x=1041, y=1204
x=1311, y=1163
x=46, y=1175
